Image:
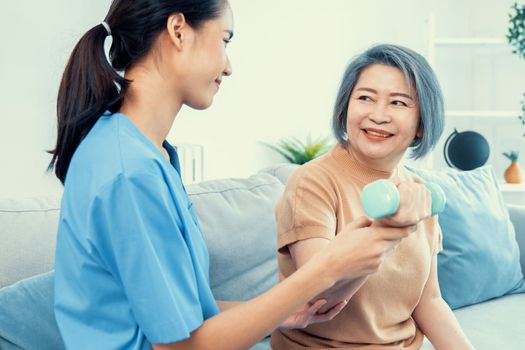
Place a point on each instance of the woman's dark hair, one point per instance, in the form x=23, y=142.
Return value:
x=91, y=85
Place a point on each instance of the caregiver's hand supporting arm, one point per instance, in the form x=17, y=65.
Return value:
x=344, y=258
x=308, y=314
x=342, y=291
x=434, y=317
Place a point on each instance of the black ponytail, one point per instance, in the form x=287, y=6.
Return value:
x=91, y=85
x=87, y=89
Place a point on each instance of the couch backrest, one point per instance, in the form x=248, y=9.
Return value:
x=517, y=215
x=238, y=222
x=236, y=215
x=280, y=171
x=27, y=237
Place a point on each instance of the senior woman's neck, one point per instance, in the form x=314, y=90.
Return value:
x=380, y=165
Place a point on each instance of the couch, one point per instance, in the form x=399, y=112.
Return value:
x=237, y=218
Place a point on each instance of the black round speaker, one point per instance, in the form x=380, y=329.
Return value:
x=466, y=150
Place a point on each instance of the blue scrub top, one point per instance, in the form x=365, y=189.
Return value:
x=132, y=266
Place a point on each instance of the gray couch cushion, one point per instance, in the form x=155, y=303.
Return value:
x=27, y=232
x=281, y=171
x=27, y=320
x=237, y=218
x=495, y=324
x=517, y=215
x=238, y=222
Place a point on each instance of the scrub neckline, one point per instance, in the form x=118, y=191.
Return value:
x=172, y=152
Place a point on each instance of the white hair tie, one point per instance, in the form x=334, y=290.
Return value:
x=107, y=27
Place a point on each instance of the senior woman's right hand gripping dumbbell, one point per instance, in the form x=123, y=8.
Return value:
x=380, y=199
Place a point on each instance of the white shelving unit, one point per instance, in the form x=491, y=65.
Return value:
x=191, y=158
x=512, y=193
x=469, y=41
x=506, y=187
x=483, y=114
x=437, y=42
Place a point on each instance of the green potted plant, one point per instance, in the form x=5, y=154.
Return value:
x=516, y=34
x=298, y=152
x=522, y=116
x=516, y=37
x=514, y=173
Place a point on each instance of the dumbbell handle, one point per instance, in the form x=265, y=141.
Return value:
x=380, y=198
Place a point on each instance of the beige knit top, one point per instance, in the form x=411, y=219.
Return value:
x=321, y=198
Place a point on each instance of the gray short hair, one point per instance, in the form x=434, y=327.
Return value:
x=421, y=76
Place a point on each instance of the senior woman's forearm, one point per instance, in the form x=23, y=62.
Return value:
x=303, y=251
x=439, y=324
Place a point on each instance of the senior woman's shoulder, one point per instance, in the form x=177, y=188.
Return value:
x=318, y=171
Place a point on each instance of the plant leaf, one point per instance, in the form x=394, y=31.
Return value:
x=296, y=151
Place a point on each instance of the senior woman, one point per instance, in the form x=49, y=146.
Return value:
x=389, y=101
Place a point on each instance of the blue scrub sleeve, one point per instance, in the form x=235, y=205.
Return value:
x=136, y=226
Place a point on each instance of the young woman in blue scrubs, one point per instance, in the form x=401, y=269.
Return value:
x=131, y=262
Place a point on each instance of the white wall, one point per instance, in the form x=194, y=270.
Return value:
x=36, y=38
x=287, y=56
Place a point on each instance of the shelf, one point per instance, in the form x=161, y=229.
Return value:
x=483, y=114
x=495, y=44
x=468, y=41
x=505, y=187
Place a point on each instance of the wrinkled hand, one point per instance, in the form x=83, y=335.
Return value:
x=415, y=205
x=308, y=315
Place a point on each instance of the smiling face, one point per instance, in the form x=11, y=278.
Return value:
x=204, y=62
x=382, y=117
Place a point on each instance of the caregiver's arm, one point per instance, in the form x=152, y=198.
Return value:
x=310, y=313
x=434, y=317
x=243, y=325
x=306, y=315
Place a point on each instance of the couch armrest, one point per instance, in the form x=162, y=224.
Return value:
x=517, y=215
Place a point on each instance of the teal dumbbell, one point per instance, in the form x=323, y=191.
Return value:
x=381, y=198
